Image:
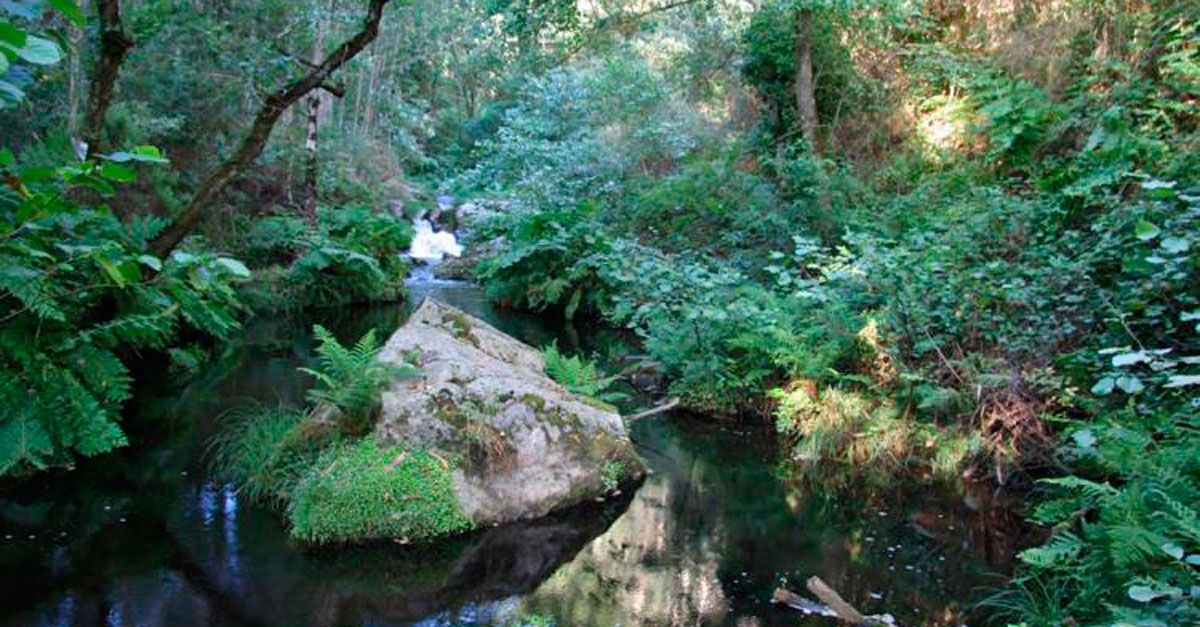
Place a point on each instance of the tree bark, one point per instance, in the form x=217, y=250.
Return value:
x=260, y=131
x=806, y=99
x=114, y=45
x=309, y=209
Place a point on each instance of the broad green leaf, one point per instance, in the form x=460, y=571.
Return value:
x=1175, y=245
x=70, y=9
x=1143, y=594
x=1146, y=231
x=117, y=172
x=12, y=35
x=234, y=267
x=3, y=65
x=1182, y=380
x=6, y=158
x=150, y=261
x=39, y=51
x=1129, y=359
x=10, y=93
x=119, y=157
x=37, y=174
x=147, y=154
x=1130, y=384
x=1104, y=386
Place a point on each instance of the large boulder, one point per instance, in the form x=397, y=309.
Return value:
x=519, y=445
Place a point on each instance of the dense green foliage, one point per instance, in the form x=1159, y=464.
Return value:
x=980, y=263
x=78, y=297
x=353, y=255
x=1018, y=271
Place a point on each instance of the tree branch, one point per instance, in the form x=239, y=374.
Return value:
x=616, y=22
x=114, y=45
x=260, y=131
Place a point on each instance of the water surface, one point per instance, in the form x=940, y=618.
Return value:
x=145, y=537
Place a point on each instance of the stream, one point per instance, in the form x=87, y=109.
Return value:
x=145, y=537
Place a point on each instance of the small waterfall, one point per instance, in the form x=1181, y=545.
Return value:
x=432, y=246
x=428, y=249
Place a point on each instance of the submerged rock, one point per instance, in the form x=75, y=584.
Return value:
x=519, y=444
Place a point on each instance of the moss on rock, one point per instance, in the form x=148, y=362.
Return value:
x=363, y=491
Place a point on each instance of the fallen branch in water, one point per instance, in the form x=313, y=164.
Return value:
x=832, y=605
x=672, y=404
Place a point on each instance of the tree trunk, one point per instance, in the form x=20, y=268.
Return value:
x=268, y=115
x=114, y=45
x=806, y=99
x=309, y=209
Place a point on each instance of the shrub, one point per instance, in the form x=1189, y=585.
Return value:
x=551, y=262
x=78, y=295
x=353, y=254
x=363, y=491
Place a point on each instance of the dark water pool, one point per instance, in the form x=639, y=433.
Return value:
x=144, y=537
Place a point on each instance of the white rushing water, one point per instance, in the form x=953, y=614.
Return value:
x=429, y=245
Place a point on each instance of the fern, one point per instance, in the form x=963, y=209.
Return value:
x=580, y=376
x=78, y=295
x=351, y=378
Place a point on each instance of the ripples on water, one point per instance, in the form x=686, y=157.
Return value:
x=144, y=537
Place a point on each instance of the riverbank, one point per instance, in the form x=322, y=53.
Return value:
x=147, y=532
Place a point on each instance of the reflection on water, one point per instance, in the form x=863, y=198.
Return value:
x=145, y=538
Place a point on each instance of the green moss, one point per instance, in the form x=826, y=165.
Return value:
x=536, y=402
x=364, y=492
x=596, y=403
x=460, y=327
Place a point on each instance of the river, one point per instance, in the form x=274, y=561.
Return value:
x=146, y=537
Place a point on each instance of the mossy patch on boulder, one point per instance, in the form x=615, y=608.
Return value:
x=365, y=491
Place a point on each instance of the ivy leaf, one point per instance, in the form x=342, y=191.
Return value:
x=1182, y=380
x=1146, y=231
x=1146, y=594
